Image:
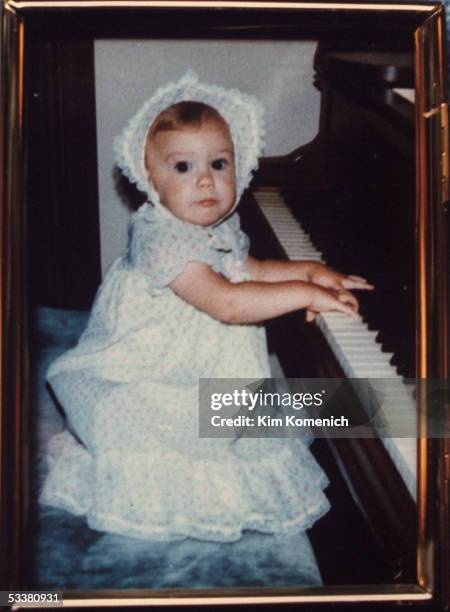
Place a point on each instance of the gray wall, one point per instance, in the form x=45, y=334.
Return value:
x=128, y=72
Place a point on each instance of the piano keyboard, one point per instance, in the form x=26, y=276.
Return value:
x=353, y=344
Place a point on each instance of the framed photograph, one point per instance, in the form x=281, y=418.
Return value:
x=95, y=509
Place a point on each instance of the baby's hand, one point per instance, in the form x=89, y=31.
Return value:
x=326, y=300
x=329, y=278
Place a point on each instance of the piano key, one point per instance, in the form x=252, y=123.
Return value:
x=354, y=345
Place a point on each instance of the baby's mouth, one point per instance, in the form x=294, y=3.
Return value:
x=206, y=202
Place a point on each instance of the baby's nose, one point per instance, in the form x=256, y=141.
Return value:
x=205, y=178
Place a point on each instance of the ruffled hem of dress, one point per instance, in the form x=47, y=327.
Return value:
x=205, y=500
x=212, y=533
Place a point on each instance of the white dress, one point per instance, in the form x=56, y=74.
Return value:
x=131, y=459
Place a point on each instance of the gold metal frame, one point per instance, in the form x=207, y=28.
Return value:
x=432, y=306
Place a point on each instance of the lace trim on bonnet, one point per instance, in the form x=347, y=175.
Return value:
x=242, y=112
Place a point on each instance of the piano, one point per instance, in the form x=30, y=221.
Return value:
x=348, y=199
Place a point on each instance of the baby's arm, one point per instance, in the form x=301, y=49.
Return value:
x=271, y=271
x=255, y=301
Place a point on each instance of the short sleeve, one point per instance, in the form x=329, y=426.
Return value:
x=162, y=250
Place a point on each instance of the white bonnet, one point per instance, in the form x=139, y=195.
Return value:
x=243, y=113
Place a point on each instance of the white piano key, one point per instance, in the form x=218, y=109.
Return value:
x=356, y=353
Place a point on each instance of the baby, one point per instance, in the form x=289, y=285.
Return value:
x=183, y=303
x=190, y=159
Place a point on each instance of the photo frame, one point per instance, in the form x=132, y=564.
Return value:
x=42, y=43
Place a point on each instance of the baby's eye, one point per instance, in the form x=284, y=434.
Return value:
x=182, y=166
x=219, y=164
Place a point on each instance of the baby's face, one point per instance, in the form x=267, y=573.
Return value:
x=192, y=169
